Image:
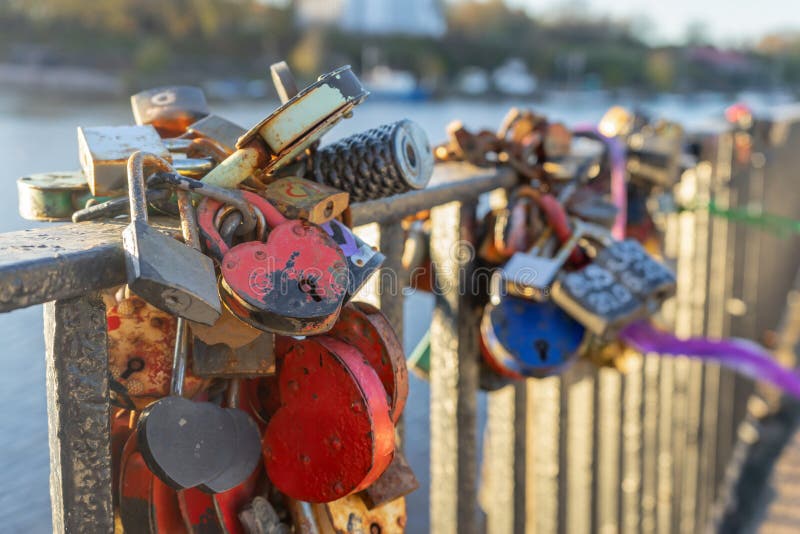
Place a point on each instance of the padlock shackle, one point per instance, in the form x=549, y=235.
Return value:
x=137, y=190
x=228, y=196
x=207, y=211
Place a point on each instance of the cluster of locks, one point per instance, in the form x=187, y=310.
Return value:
x=247, y=384
x=251, y=393
x=565, y=277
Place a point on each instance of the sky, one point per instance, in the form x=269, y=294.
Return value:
x=727, y=21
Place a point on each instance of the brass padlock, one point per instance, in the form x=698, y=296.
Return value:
x=169, y=109
x=297, y=198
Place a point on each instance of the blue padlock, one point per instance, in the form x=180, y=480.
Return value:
x=524, y=338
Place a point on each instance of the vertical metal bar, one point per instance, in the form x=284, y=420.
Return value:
x=78, y=409
x=542, y=455
x=390, y=289
x=454, y=374
x=609, y=426
x=632, y=445
x=580, y=446
x=498, y=487
x=650, y=444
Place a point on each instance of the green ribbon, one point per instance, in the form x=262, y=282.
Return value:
x=777, y=224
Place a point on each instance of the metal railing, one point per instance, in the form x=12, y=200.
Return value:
x=593, y=450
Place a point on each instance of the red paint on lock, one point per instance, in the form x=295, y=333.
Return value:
x=294, y=283
x=198, y=512
x=228, y=503
x=146, y=504
x=367, y=329
x=332, y=435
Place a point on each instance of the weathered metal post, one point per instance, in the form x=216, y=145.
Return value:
x=454, y=374
x=78, y=410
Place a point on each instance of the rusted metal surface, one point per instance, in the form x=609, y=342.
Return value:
x=350, y=515
x=299, y=198
x=169, y=109
x=66, y=261
x=332, y=434
x=454, y=374
x=141, y=339
x=78, y=412
x=397, y=481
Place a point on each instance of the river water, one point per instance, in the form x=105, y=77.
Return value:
x=37, y=134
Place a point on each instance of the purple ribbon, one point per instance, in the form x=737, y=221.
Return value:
x=619, y=191
x=741, y=355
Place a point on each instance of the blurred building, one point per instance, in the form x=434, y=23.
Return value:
x=375, y=17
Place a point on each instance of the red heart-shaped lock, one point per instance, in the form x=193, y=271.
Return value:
x=363, y=326
x=332, y=435
x=293, y=284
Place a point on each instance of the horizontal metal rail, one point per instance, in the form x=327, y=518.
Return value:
x=67, y=261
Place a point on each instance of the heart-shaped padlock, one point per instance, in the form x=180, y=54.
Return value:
x=363, y=326
x=292, y=284
x=524, y=338
x=332, y=435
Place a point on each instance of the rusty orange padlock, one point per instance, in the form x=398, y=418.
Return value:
x=332, y=434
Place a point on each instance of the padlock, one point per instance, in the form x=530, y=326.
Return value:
x=363, y=260
x=247, y=448
x=146, y=505
x=332, y=434
x=259, y=517
x=531, y=274
x=624, y=285
x=140, y=344
x=104, y=152
x=52, y=196
x=166, y=273
x=580, y=163
x=350, y=515
x=220, y=129
x=293, y=127
x=292, y=284
x=187, y=443
x=507, y=231
x=364, y=327
x=523, y=338
x=298, y=198
x=222, y=361
x=397, y=481
x=170, y=109
x=384, y=161
x=637, y=270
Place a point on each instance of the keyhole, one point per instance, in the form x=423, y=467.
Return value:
x=135, y=365
x=309, y=286
x=542, y=346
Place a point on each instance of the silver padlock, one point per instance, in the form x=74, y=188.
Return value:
x=166, y=273
x=218, y=129
x=637, y=270
x=104, y=153
x=254, y=359
x=531, y=274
